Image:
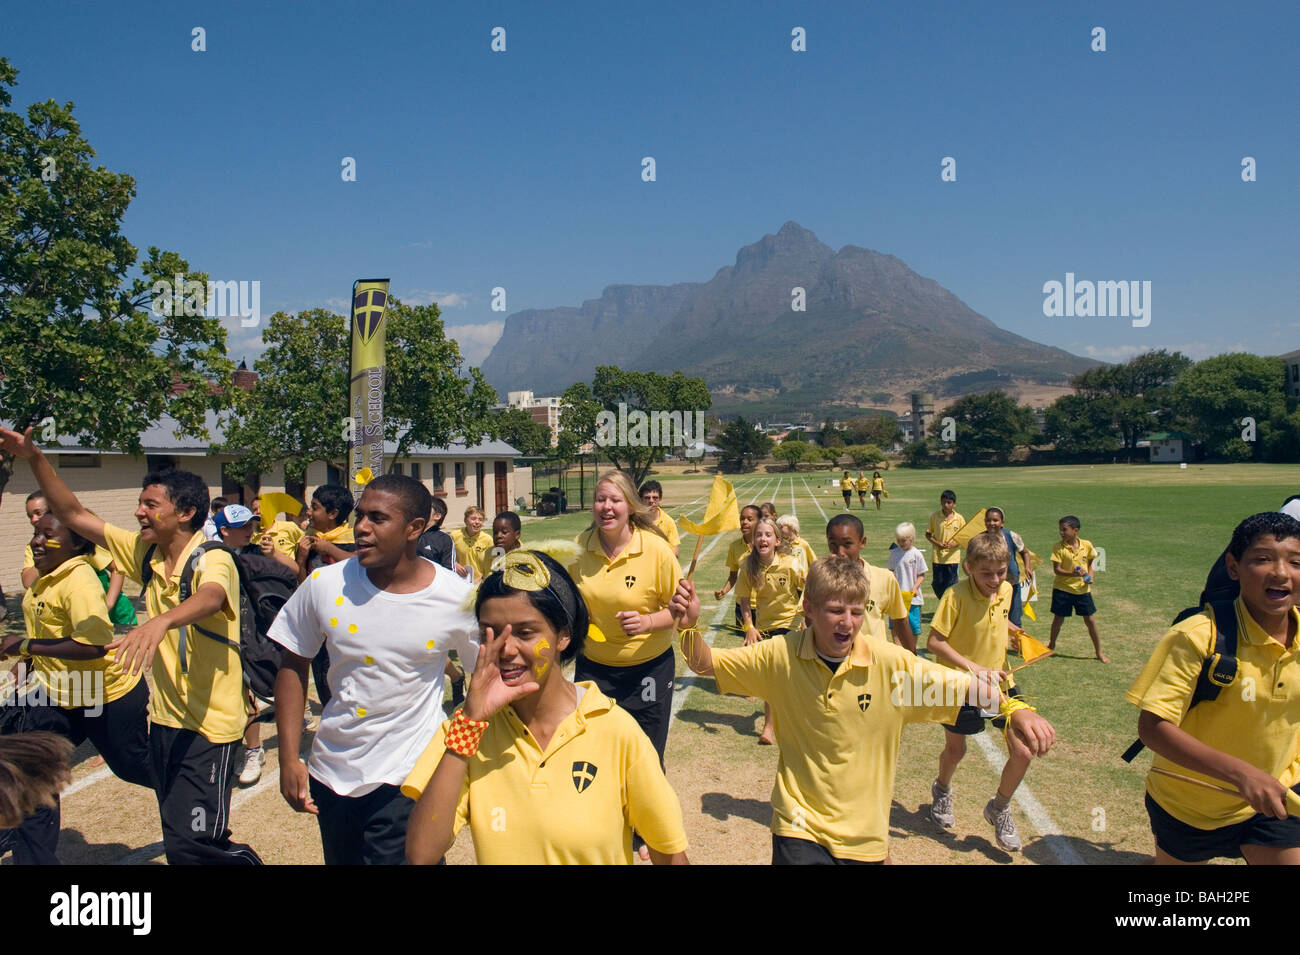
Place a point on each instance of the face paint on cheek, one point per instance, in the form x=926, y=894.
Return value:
x=543, y=662
x=55, y=545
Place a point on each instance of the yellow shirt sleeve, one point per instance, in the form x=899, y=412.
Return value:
x=418, y=778
x=954, y=685
x=127, y=550
x=746, y=671
x=89, y=614
x=218, y=566
x=1166, y=684
x=29, y=560
x=101, y=558
x=653, y=809
x=743, y=586
x=892, y=606
x=736, y=553
x=945, y=615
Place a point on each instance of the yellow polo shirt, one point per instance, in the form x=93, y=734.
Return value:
x=846, y=484
x=1077, y=556
x=208, y=697
x=1256, y=718
x=475, y=552
x=736, y=553
x=838, y=733
x=284, y=536
x=643, y=577
x=801, y=546
x=574, y=803
x=68, y=603
x=99, y=560
x=877, y=484
x=944, y=529
x=779, y=594
x=884, y=601
x=864, y=484
x=668, y=527
x=974, y=625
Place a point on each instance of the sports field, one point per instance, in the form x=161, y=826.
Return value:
x=1160, y=528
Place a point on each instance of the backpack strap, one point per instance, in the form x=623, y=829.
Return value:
x=186, y=584
x=146, y=567
x=1219, y=669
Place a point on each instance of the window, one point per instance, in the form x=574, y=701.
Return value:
x=79, y=461
x=460, y=476
x=159, y=462
x=478, y=474
x=397, y=467
x=415, y=470
x=333, y=475
x=1295, y=372
x=438, y=477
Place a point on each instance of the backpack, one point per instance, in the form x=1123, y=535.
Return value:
x=1220, y=668
x=265, y=585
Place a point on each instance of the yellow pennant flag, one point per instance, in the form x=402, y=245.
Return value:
x=907, y=596
x=722, y=514
x=272, y=503
x=1029, y=612
x=1031, y=650
x=972, y=527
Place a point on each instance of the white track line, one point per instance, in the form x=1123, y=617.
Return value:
x=820, y=510
x=97, y=776
x=1056, y=843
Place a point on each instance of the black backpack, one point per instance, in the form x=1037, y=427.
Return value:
x=265, y=585
x=1220, y=668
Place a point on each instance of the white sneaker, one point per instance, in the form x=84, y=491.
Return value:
x=941, y=808
x=1004, y=827
x=254, y=760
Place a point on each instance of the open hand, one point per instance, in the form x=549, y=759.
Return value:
x=488, y=693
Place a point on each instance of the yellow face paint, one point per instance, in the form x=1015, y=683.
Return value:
x=544, y=662
x=52, y=545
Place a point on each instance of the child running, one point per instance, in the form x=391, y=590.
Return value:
x=863, y=485
x=846, y=488
x=1227, y=735
x=845, y=538
x=877, y=489
x=833, y=691
x=652, y=494
x=945, y=554
x=749, y=516
x=909, y=569
x=542, y=770
x=969, y=632
x=774, y=577
x=1072, y=561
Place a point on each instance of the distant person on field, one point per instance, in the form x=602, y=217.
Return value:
x=863, y=485
x=877, y=489
x=846, y=488
x=1072, y=562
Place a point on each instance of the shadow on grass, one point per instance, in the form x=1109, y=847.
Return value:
x=919, y=823
x=710, y=722
x=721, y=806
x=75, y=849
x=1092, y=853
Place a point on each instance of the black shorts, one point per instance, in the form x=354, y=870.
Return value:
x=1065, y=603
x=1189, y=844
x=645, y=690
x=970, y=722
x=787, y=850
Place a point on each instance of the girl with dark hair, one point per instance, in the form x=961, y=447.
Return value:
x=543, y=770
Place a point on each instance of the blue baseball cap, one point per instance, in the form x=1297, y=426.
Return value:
x=232, y=515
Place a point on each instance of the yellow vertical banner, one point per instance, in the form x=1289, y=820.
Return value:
x=366, y=374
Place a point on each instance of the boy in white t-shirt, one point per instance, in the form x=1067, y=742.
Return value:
x=909, y=567
x=388, y=619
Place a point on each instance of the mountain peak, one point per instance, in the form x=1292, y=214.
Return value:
x=791, y=242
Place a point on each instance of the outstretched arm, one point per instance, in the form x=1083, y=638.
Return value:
x=58, y=496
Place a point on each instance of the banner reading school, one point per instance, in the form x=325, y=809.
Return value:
x=366, y=373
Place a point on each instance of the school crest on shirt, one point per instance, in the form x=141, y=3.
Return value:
x=628, y=581
x=864, y=700
x=584, y=774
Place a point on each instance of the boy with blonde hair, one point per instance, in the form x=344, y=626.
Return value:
x=970, y=632
x=834, y=692
x=909, y=569
x=787, y=525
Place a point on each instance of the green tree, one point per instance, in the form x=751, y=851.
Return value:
x=796, y=452
x=742, y=446
x=989, y=426
x=880, y=430
x=578, y=411
x=297, y=412
x=1137, y=394
x=1215, y=396
x=79, y=341
x=863, y=455
x=518, y=429
x=1077, y=424
x=651, y=394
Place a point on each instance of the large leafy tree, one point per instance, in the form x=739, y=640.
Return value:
x=1137, y=394
x=989, y=426
x=79, y=342
x=742, y=446
x=297, y=412
x=1077, y=424
x=1215, y=396
x=644, y=391
x=880, y=430
x=518, y=429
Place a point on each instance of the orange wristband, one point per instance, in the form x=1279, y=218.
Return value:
x=464, y=734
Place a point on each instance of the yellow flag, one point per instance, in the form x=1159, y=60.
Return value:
x=272, y=503
x=722, y=514
x=1029, y=612
x=972, y=527
x=907, y=596
x=1031, y=649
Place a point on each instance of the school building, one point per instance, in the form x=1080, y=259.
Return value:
x=108, y=482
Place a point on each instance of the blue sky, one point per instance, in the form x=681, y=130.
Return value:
x=522, y=169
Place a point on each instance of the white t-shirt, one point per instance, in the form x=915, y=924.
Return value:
x=387, y=653
x=907, y=566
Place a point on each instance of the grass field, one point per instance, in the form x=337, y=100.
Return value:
x=1161, y=529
